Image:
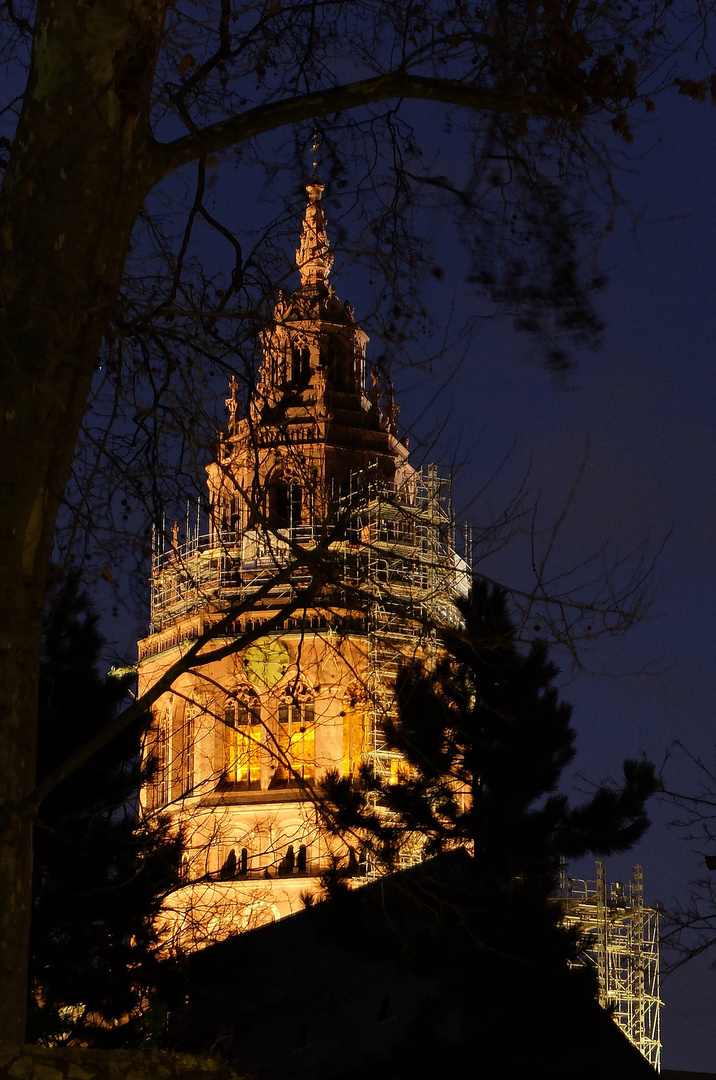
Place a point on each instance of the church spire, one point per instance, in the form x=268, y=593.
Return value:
x=312, y=256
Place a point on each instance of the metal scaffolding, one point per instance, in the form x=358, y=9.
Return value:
x=399, y=574
x=404, y=566
x=410, y=573
x=622, y=940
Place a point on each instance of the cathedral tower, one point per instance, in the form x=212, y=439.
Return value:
x=328, y=558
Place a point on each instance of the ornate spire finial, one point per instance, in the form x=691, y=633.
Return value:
x=312, y=257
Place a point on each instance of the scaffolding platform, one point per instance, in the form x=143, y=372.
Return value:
x=621, y=939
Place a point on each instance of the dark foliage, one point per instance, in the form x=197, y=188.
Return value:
x=392, y=996
x=485, y=739
x=99, y=874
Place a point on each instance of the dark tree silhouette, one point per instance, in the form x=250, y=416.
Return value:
x=485, y=739
x=99, y=874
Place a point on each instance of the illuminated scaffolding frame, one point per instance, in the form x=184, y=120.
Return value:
x=400, y=574
x=397, y=550
x=408, y=571
x=622, y=940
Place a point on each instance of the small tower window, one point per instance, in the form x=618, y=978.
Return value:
x=187, y=755
x=287, y=506
x=300, y=365
x=159, y=756
x=337, y=362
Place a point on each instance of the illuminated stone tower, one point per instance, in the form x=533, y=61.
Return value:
x=327, y=559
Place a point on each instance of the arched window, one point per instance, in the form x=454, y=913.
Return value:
x=295, y=743
x=235, y=509
x=165, y=741
x=337, y=362
x=187, y=753
x=300, y=365
x=354, y=729
x=242, y=744
x=287, y=503
x=227, y=870
x=158, y=790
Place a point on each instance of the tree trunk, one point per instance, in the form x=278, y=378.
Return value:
x=78, y=173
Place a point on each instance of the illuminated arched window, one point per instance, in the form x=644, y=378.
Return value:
x=354, y=729
x=164, y=751
x=187, y=752
x=159, y=765
x=295, y=743
x=242, y=744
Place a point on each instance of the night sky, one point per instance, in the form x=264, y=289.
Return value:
x=644, y=406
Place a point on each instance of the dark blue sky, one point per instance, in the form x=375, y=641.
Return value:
x=645, y=405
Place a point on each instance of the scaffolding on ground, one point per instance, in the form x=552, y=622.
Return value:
x=622, y=941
